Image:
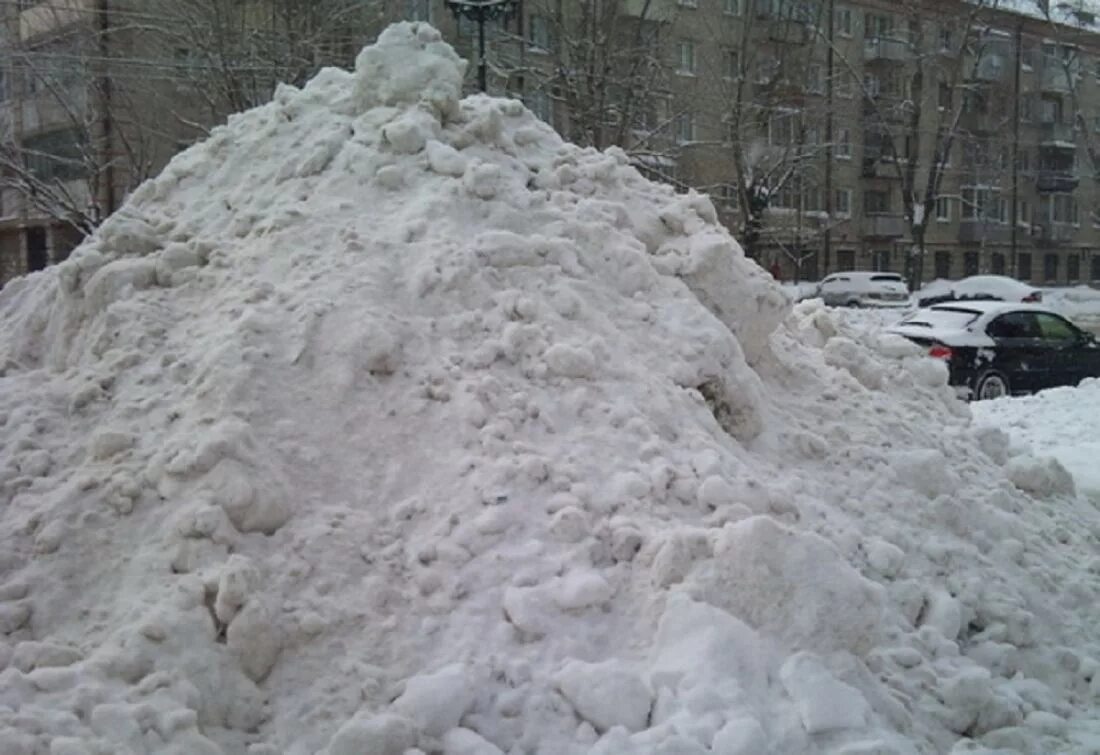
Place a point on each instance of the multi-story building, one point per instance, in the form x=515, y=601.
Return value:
x=935, y=137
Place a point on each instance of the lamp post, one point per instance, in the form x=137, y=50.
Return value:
x=481, y=11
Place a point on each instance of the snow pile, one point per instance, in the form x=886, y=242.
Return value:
x=1080, y=304
x=1059, y=423
x=383, y=422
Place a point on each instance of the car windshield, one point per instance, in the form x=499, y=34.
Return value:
x=942, y=318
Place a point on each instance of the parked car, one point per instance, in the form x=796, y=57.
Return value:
x=995, y=349
x=864, y=290
x=979, y=287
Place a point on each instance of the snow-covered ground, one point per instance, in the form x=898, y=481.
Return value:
x=386, y=422
x=1062, y=422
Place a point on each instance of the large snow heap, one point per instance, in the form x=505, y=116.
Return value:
x=384, y=419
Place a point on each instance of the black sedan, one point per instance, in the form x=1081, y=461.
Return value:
x=995, y=349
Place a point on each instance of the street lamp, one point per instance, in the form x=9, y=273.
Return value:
x=481, y=11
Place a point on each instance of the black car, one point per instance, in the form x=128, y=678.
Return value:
x=995, y=349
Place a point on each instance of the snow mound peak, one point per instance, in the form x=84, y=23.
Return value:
x=409, y=64
x=385, y=420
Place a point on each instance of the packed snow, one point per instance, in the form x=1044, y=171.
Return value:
x=387, y=422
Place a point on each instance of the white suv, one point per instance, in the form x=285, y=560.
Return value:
x=864, y=290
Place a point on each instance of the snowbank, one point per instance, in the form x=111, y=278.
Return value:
x=386, y=420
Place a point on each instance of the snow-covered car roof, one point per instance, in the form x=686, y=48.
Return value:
x=994, y=285
x=959, y=323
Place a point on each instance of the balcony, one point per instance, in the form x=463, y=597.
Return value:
x=51, y=16
x=1058, y=135
x=1054, y=233
x=1053, y=79
x=991, y=68
x=650, y=10
x=880, y=168
x=988, y=231
x=1059, y=181
x=886, y=49
x=981, y=123
x=788, y=31
x=883, y=226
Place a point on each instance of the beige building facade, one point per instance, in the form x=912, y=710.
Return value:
x=797, y=117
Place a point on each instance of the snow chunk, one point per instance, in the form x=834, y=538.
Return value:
x=571, y=361
x=410, y=63
x=606, y=694
x=791, y=584
x=467, y=742
x=824, y=702
x=438, y=701
x=581, y=589
x=445, y=159
x=1041, y=476
x=384, y=734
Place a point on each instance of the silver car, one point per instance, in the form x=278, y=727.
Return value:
x=864, y=290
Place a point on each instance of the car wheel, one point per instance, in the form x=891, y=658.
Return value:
x=990, y=385
x=854, y=303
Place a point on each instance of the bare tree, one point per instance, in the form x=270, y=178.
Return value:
x=933, y=71
x=603, y=67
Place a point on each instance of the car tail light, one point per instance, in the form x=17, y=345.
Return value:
x=1034, y=297
x=939, y=351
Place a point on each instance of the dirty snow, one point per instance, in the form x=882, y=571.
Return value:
x=386, y=420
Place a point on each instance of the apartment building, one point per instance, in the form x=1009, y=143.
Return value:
x=799, y=122
x=97, y=95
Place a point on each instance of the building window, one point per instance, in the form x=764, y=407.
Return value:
x=1073, y=268
x=815, y=80
x=418, y=10
x=876, y=26
x=876, y=202
x=946, y=40
x=1095, y=273
x=843, y=24
x=1058, y=208
x=541, y=104
x=733, y=64
x=538, y=34
x=689, y=3
x=943, y=264
x=767, y=68
x=844, y=144
x=943, y=209
x=970, y=264
x=56, y=155
x=685, y=127
x=1024, y=216
x=998, y=266
x=843, y=83
x=1023, y=266
x=1050, y=268
x=845, y=260
x=686, y=65
x=783, y=128
x=731, y=7
x=842, y=202
x=945, y=96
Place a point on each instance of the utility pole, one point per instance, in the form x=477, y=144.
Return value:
x=1014, y=231
x=827, y=239
x=481, y=11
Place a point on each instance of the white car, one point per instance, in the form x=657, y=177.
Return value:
x=864, y=290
